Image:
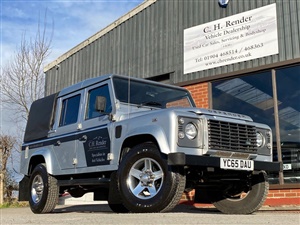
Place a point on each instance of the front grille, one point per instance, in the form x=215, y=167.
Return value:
x=231, y=137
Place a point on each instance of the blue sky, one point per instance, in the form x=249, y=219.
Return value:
x=73, y=20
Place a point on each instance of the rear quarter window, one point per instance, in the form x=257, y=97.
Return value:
x=70, y=110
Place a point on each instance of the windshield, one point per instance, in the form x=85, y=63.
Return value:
x=149, y=94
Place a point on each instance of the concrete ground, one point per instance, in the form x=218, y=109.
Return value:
x=87, y=199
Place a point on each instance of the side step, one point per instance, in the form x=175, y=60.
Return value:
x=104, y=182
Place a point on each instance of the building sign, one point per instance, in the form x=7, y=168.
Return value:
x=241, y=37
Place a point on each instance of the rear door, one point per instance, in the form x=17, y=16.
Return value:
x=64, y=143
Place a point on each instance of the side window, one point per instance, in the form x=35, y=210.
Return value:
x=70, y=110
x=91, y=111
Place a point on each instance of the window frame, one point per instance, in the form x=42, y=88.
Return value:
x=66, y=129
x=88, y=91
x=65, y=110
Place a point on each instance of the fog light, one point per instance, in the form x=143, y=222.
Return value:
x=181, y=121
x=181, y=135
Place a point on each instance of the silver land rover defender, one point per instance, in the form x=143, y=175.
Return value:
x=139, y=145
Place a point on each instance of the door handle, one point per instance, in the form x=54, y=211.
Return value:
x=83, y=138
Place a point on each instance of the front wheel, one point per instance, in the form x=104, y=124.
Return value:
x=44, y=190
x=244, y=202
x=114, y=199
x=147, y=183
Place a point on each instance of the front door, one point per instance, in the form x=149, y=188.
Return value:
x=93, y=143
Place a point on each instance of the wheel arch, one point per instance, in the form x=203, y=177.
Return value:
x=34, y=161
x=41, y=156
x=134, y=140
x=153, y=135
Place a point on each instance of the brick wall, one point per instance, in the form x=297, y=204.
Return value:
x=200, y=94
x=283, y=197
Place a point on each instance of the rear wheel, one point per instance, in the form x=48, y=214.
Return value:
x=147, y=183
x=44, y=190
x=76, y=192
x=231, y=202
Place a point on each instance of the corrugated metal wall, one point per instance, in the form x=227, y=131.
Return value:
x=151, y=42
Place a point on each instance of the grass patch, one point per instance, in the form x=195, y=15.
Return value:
x=15, y=204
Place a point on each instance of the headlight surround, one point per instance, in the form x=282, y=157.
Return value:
x=260, y=139
x=190, y=131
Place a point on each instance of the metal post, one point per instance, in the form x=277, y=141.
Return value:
x=277, y=127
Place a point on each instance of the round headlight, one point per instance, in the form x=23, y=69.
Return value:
x=259, y=139
x=190, y=131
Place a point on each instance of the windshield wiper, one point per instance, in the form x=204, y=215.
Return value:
x=150, y=103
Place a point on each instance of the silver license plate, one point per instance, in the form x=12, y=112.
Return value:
x=287, y=166
x=236, y=164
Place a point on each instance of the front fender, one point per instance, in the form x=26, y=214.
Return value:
x=156, y=132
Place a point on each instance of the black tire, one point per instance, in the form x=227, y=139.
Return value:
x=77, y=192
x=147, y=183
x=114, y=198
x=245, y=203
x=43, y=195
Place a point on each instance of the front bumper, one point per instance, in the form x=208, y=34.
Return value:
x=181, y=159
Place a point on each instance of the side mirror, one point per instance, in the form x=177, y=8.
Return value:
x=100, y=103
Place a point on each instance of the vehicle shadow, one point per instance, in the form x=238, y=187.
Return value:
x=104, y=208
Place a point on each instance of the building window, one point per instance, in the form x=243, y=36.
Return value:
x=288, y=93
x=253, y=95
x=250, y=95
x=91, y=111
x=69, y=111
